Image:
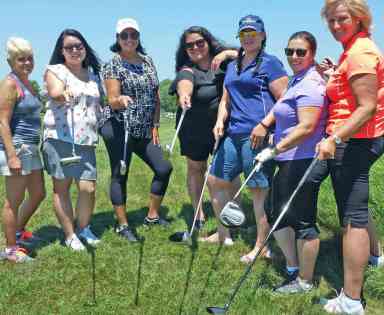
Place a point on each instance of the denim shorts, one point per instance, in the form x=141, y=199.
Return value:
x=54, y=150
x=234, y=156
x=29, y=157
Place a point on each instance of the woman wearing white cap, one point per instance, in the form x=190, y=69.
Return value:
x=133, y=94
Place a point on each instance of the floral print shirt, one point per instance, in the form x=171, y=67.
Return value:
x=58, y=122
x=141, y=83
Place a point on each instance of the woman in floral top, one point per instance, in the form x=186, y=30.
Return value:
x=133, y=92
x=73, y=108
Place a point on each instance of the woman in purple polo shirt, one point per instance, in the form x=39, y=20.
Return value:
x=300, y=117
x=253, y=82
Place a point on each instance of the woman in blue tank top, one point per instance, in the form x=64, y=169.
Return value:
x=20, y=161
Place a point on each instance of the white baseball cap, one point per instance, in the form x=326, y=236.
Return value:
x=122, y=24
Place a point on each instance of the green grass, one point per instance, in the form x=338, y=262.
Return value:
x=159, y=277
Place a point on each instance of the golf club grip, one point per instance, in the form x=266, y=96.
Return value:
x=178, y=129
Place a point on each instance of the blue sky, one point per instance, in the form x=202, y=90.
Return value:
x=162, y=22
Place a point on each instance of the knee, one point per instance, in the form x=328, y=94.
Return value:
x=40, y=196
x=197, y=169
x=88, y=187
x=164, y=171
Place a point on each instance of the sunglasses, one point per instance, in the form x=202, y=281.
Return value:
x=25, y=59
x=131, y=35
x=300, y=52
x=243, y=34
x=200, y=43
x=73, y=47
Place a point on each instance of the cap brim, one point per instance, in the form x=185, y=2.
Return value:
x=257, y=29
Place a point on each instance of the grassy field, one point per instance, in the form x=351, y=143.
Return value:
x=160, y=277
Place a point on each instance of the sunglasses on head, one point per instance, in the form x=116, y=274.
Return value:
x=73, y=47
x=300, y=52
x=131, y=35
x=200, y=43
x=251, y=34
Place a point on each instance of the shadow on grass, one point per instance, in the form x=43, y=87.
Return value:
x=194, y=249
x=105, y=220
x=138, y=284
x=187, y=213
x=45, y=235
x=211, y=269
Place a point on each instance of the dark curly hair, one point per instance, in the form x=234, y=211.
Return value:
x=91, y=59
x=215, y=46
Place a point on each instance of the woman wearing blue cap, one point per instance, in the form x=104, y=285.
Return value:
x=253, y=82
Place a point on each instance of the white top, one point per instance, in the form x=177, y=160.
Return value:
x=57, y=122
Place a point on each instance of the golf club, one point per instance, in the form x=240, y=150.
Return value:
x=91, y=250
x=223, y=310
x=169, y=147
x=232, y=215
x=74, y=159
x=123, y=164
x=185, y=237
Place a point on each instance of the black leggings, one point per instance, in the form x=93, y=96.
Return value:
x=350, y=178
x=113, y=134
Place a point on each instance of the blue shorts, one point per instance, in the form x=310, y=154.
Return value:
x=234, y=156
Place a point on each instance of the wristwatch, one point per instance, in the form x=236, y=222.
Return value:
x=337, y=139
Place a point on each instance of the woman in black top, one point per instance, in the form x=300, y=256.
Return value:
x=198, y=84
x=133, y=92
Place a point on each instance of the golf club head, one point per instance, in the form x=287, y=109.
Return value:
x=71, y=160
x=232, y=215
x=123, y=168
x=216, y=310
x=180, y=237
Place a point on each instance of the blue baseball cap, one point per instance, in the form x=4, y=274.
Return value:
x=253, y=22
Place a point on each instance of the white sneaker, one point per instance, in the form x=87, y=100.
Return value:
x=86, y=235
x=342, y=305
x=228, y=241
x=74, y=243
x=376, y=261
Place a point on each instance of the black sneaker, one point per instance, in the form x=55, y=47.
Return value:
x=125, y=232
x=155, y=221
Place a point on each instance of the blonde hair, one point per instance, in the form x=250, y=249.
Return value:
x=17, y=46
x=359, y=9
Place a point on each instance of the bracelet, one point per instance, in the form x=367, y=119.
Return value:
x=264, y=125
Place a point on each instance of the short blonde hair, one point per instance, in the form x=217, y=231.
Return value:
x=17, y=46
x=359, y=9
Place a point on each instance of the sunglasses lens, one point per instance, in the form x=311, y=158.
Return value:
x=73, y=47
x=126, y=35
x=301, y=52
x=288, y=52
x=200, y=43
x=243, y=34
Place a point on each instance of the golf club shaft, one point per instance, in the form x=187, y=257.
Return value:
x=255, y=169
x=125, y=117
x=199, y=204
x=177, y=129
x=73, y=128
x=279, y=218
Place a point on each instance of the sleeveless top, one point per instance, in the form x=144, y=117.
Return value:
x=58, y=117
x=25, y=122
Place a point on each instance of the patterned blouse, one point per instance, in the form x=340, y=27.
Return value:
x=58, y=119
x=140, y=82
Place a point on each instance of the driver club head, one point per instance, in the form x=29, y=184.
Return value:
x=123, y=168
x=232, y=215
x=216, y=310
x=71, y=160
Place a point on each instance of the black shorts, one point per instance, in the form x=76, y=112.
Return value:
x=302, y=213
x=350, y=178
